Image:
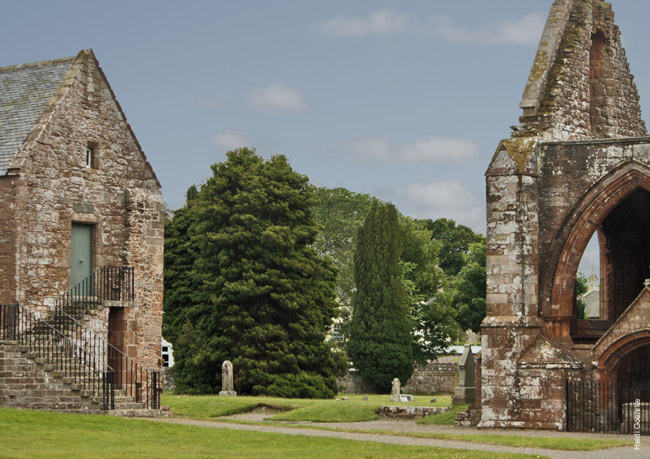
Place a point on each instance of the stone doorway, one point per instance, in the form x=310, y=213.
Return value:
x=117, y=334
x=634, y=368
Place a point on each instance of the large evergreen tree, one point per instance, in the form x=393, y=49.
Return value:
x=261, y=295
x=380, y=343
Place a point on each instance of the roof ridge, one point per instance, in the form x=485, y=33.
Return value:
x=38, y=64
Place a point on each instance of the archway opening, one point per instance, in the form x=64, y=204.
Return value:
x=624, y=261
x=634, y=368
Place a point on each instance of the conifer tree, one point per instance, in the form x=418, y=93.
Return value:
x=262, y=297
x=380, y=343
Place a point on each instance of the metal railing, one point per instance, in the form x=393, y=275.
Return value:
x=128, y=376
x=607, y=407
x=108, y=283
x=70, y=357
x=63, y=341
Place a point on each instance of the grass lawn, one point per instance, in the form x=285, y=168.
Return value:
x=446, y=418
x=209, y=407
x=354, y=409
x=28, y=434
x=557, y=443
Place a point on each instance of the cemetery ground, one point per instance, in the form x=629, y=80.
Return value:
x=213, y=426
x=276, y=427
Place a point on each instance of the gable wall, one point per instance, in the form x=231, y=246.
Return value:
x=7, y=241
x=120, y=197
x=590, y=92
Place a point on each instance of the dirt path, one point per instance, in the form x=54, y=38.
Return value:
x=410, y=426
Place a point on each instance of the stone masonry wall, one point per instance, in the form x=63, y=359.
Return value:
x=7, y=241
x=562, y=195
x=588, y=91
x=427, y=378
x=580, y=88
x=119, y=195
x=26, y=384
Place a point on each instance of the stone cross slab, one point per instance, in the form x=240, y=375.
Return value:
x=227, y=385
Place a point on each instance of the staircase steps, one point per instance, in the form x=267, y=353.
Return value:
x=62, y=351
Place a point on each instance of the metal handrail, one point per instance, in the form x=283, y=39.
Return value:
x=108, y=283
x=65, y=354
x=112, y=283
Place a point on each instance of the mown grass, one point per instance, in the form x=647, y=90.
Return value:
x=356, y=410
x=446, y=418
x=29, y=434
x=555, y=443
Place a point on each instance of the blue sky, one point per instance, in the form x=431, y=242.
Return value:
x=404, y=100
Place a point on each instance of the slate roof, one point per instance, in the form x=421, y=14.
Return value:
x=24, y=93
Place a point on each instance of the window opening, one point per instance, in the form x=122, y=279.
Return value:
x=90, y=156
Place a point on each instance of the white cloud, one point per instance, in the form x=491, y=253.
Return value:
x=229, y=139
x=521, y=31
x=431, y=150
x=277, y=97
x=447, y=199
x=210, y=103
x=448, y=194
x=380, y=22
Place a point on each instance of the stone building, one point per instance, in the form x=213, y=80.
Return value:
x=81, y=238
x=577, y=165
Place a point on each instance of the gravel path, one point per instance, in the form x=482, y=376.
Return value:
x=410, y=426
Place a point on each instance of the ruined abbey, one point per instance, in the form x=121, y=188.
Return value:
x=578, y=165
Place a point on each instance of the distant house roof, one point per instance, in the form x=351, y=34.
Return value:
x=451, y=350
x=24, y=93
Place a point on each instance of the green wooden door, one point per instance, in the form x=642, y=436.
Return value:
x=81, y=253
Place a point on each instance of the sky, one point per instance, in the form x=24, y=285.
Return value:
x=404, y=100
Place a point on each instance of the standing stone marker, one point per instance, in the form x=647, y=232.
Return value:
x=466, y=390
x=227, y=385
x=394, y=394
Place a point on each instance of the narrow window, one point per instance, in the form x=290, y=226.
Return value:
x=90, y=155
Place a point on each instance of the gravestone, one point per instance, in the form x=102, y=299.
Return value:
x=227, y=385
x=394, y=394
x=466, y=390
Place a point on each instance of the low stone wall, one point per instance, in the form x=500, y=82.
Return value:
x=167, y=374
x=427, y=378
x=411, y=412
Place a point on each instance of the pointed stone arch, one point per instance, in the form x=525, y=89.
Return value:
x=609, y=360
x=584, y=220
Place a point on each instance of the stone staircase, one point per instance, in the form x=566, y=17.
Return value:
x=28, y=381
x=59, y=363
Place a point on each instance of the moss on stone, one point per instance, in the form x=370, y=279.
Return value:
x=520, y=149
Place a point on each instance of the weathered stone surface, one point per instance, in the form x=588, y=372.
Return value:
x=428, y=378
x=466, y=390
x=394, y=392
x=411, y=412
x=577, y=164
x=227, y=384
x=49, y=186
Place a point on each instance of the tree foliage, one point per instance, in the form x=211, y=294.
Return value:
x=340, y=213
x=582, y=287
x=455, y=240
x=470, y=289
x=253, y=290
x=380, y=344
